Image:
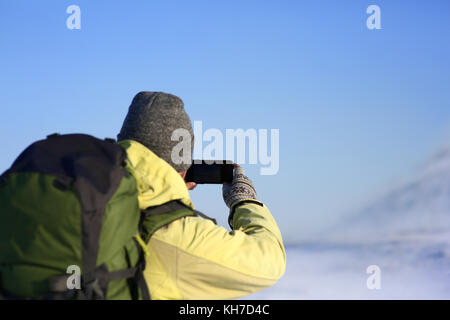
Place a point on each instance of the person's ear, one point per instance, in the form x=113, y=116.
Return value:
x=183, y=174
x=189, y=185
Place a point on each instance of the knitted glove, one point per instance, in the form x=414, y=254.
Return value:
x=240, y=189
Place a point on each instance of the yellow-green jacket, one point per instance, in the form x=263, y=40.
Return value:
x=192, y=258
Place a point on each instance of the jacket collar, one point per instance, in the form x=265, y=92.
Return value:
x=157, y=181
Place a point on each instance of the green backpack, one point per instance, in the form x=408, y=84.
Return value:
x=68, y=203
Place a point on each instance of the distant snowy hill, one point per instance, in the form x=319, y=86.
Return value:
x=419, y=209
x=406, y=233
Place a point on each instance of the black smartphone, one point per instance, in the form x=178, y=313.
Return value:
x=213, y=173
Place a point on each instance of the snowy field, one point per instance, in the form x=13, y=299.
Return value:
x=409, y=270
x=405, y=232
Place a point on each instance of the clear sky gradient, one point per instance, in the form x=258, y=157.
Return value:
x=357, y=109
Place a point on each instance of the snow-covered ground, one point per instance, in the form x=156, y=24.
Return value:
x=326, y=271
x=406, y=233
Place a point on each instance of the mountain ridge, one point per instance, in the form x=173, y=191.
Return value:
x=418, y=208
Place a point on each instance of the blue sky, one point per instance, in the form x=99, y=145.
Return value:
x=357, y=109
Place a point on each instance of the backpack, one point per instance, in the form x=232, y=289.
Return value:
x=69, y=203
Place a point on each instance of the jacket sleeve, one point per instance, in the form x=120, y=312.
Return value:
x=205, y=261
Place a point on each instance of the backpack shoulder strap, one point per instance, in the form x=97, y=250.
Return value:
x=156, y=217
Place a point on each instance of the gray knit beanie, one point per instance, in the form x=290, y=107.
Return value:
x=151, y=120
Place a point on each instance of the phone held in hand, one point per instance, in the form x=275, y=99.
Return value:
x=205, y=172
